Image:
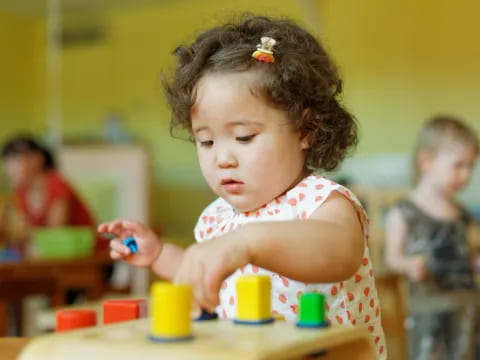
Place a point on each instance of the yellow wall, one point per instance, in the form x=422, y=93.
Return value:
x=19, y=107
x=403, y=61
x=122, y=74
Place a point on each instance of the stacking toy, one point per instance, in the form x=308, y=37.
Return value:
x=312, y=311
x=171, y=306
x=75, y=319
x=253, y=300
x=123, y=310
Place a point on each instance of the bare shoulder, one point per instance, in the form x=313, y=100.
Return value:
x=338, y=209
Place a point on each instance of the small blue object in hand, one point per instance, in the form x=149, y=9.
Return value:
x=131, y=243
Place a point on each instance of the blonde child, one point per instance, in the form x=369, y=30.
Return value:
x=260, y=99
x=427, y=238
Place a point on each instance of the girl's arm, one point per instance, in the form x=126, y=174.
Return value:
x=167, y=263
x=326, y=248
x=396, y=233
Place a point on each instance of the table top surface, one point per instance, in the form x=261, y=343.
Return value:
x=10, y=347
x=215, y=339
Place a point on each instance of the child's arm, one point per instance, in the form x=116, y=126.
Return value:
x=58, y=213
x=326, y=248
x=474, y=245
x=164, y=258
x=168, y=262
x=396, y=233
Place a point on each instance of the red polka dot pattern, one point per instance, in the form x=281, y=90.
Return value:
x=353, y=301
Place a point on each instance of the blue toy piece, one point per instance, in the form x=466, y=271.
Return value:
x=205, y=315
x=10, y=255
x=131, y=243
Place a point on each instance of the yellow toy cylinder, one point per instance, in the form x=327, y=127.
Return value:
x=171, y=306
x=253, y=299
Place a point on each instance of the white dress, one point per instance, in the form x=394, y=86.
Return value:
x=353, y=301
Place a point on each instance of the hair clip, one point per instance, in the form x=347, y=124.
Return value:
x=264, y=52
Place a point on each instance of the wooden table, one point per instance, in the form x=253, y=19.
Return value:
x=393, y=306
x=215, y=339
x=49, y=277
x=10, y=347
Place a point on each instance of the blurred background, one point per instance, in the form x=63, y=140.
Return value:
x=84, y=76
x=97, y=82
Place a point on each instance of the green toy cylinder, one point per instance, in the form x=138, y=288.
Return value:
x=312, y=309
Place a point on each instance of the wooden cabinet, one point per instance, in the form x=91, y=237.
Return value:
x=115, y=180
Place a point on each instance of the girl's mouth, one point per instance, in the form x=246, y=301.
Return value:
x=232, y=186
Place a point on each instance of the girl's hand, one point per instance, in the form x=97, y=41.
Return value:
x=205, y=265
x=415, y=268
x=149, y=245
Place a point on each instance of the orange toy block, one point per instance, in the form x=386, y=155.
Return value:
x=75, y=319
x=123, y=310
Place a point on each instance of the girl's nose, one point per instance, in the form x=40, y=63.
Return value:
x=226, y=159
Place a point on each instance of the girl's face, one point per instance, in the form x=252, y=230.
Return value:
x=247, y=149
x=450, y=168
x=22, y=168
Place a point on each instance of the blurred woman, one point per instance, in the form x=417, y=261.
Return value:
x=43, y=196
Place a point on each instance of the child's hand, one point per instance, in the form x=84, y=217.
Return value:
x=205, y=265
x=415, y=268
x=149, y=246
x=476, y=264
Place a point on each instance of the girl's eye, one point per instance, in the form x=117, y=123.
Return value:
x=207, y=143
x=245, y=139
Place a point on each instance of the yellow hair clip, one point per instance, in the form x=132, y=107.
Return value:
x=264, y=50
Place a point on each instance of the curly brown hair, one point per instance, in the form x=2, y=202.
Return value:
x=302, y=81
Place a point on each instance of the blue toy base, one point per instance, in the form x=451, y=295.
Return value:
x=312, y=325
x=258, y=322
x=205, y=316
x=169, y=339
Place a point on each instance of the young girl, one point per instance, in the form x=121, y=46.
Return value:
x=260, y=99
x=426, y=239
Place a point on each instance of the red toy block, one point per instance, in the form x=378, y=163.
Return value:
x=74, y=319
x=123, y=310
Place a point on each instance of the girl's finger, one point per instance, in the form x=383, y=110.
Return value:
x=196, y=310
x=200, y=292
x=115, y=254
x=102, y=227
x=112, y=226
x=211, y=283
x=115, y=227
x=136, y=227
x=117, y=246
x=108, y=223
x=190, y=274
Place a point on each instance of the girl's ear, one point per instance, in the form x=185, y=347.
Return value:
x=304, y=142
x=304, y=138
